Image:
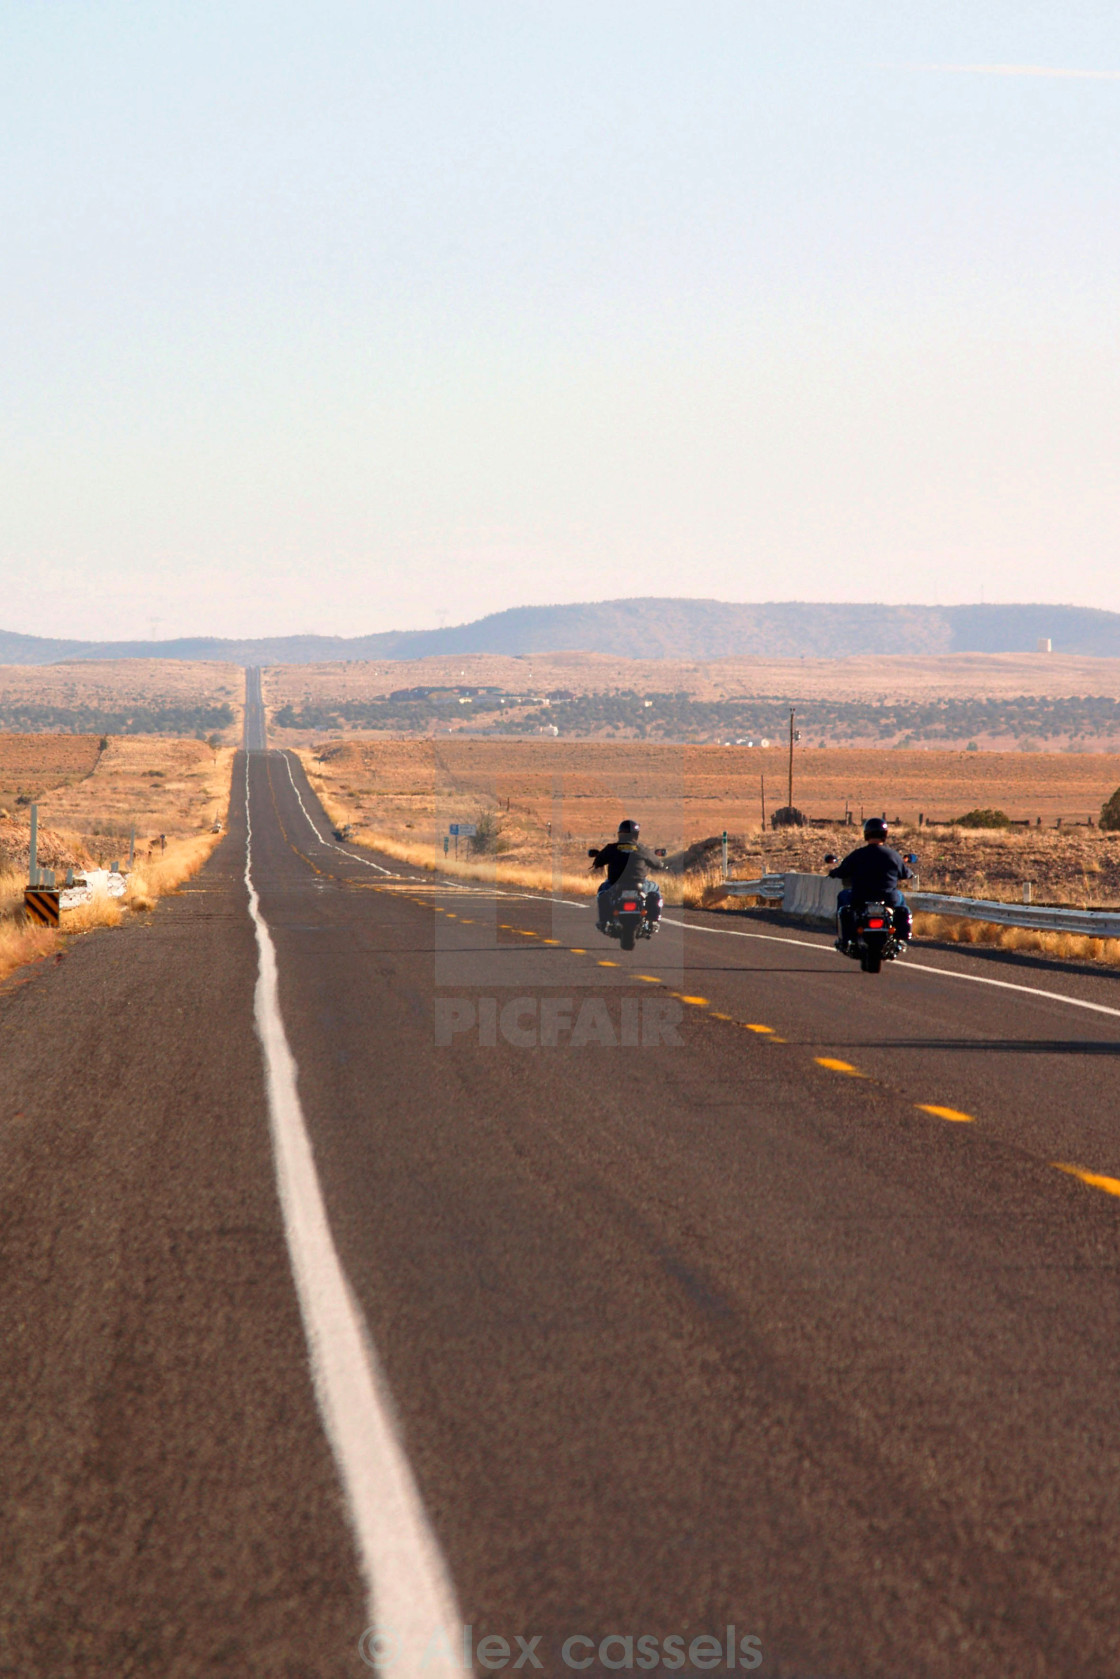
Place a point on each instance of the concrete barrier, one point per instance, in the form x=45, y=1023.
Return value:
x=812, y=897
x=104, y=882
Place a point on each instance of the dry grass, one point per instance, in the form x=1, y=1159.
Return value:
x=1081, y=863
x=192, y=786
x=682, y=793
x=405, y=792
x=156, y=784
x=165, y=871
x=494, y=870
x=21, y=943
x=103, y=912
x=500, y=870
x=1067, y=947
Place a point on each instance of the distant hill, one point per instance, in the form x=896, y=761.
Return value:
x=650, y=628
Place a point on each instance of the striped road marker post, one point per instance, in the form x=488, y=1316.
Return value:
x=41, y=905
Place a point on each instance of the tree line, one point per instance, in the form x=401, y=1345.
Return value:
x=98, y=720
x=1026, y=718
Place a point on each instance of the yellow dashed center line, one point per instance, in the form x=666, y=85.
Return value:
x=835, y=1066
x=1095, y=1180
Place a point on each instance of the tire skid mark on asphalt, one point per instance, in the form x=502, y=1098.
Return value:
x=406, y=1579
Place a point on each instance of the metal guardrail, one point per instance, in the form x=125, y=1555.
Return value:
x=1097, y=923
x=770, y=886
x=805, y=895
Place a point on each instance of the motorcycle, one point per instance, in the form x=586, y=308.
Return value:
x=876, y=938
x=631, y=912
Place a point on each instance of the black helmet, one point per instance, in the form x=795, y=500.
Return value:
x=874, y=828
x=628, y=830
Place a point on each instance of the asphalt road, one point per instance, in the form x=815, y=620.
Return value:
x=255, y=733
x=691, y=1305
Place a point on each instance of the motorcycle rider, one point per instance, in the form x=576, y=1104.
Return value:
x=871, y=876
x=627, y=864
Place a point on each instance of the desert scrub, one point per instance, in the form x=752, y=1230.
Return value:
x=1068, y=947
x=488, y=839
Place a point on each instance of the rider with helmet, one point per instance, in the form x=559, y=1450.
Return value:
x=871, y=876
x=627, y=863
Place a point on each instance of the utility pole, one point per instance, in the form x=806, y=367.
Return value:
x=762, y=786
x=792, y=737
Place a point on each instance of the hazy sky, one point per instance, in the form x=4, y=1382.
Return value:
x=348, y=316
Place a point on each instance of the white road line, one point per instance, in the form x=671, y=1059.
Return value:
x=769, y=938
x=329, y=843
x=460, y=886
x=906, y=965
x=409, y=1592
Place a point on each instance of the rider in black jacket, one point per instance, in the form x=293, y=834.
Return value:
x=627, y=863
x=871, y=876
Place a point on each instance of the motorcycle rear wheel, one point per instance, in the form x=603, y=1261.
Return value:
x=870, y=963
x=626, y=938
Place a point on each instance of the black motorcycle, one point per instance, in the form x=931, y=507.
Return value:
x=875, y=932
x=630, y=913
